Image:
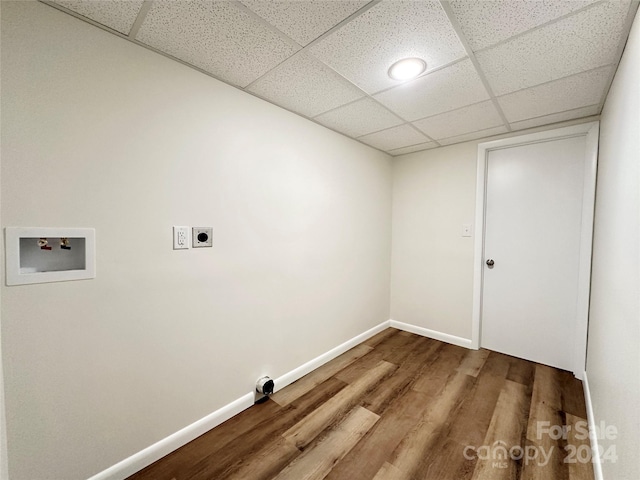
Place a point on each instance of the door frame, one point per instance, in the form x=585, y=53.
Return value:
x=589, y=130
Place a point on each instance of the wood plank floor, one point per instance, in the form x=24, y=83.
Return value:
x=399, y=407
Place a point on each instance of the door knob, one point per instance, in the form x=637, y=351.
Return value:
x=490, y=262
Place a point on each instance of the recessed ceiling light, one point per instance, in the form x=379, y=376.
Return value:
x=407, y=68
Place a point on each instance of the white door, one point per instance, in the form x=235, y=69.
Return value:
x=533, y=220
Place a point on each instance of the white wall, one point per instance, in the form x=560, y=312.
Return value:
x=613, y=355
x=98, y=132
x=432, y=264
x=4, y=468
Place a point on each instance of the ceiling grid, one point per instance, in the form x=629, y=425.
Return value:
x=144, y=9
x=492, y=67
x=456, y=26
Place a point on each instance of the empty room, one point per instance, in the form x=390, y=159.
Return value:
x=320, y=239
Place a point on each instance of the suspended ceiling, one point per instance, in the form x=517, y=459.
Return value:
x=492, y=66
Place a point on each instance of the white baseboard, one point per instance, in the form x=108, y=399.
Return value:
x=593, y=434
x=425, y=332
x=311, y=365
x=146, y=457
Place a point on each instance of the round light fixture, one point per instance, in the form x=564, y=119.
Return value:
x=407, y=68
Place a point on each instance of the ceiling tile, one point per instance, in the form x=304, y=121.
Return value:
x=578, y=43
x=306, y=86
x=447, y=89
x=568, y=93
x=364, y=49
x=415, y=148
x=489, y=132
x=463, y=120
x=218, y=37
x=359, y=118
x=304, y=21
x=487, y=23
x=117, y=15
x=393, y=138
x=547, y=60
x=557, y=117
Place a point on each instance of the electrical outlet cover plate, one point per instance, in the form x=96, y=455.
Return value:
x=180, y=238
x=202, y=237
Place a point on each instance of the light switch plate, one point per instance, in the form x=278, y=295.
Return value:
x=202, y=237
x=180, y=238
x=466, y=230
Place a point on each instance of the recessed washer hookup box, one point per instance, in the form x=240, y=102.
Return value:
x=42, y=254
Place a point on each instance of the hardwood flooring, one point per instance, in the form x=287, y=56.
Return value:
x=400, y=407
